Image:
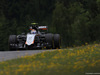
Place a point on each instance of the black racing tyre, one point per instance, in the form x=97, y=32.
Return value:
x=49, y=40
x=12, y=42
x=57, y=41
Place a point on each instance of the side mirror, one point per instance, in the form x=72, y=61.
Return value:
x=42, y=32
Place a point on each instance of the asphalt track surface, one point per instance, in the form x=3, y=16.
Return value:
x=8, y=55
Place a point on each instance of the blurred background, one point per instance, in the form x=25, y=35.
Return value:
x=77, y=21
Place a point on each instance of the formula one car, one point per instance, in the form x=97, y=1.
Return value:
x=35, y=39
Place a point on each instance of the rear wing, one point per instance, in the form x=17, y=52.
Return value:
x=43, y=27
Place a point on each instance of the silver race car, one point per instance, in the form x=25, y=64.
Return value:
x=35, y=39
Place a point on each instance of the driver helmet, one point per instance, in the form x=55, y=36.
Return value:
x=33, y=31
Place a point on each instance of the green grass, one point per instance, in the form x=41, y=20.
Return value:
x=70, y=61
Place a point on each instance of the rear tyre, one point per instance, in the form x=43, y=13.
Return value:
x=12, y=42
x=57, y=41
x=49, y=40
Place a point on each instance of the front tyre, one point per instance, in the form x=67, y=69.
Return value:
x=12, y=42
x=57, y=41
x=49, y=40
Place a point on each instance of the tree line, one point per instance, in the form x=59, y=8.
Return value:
x=77, y=21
